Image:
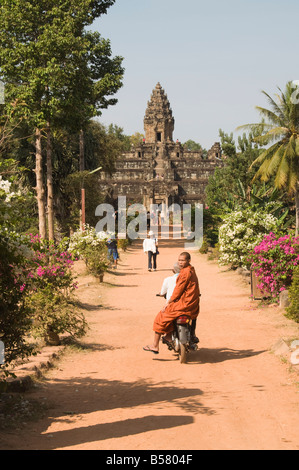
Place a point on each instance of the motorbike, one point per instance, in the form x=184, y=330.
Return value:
x=183, y=337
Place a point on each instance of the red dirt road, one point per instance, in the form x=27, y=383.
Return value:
x=233, y=394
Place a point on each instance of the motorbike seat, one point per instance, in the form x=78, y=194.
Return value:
x=183, y=320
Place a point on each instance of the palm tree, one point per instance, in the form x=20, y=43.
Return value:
x=279, y=131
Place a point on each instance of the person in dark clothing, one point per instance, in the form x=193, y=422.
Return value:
x=112, y=251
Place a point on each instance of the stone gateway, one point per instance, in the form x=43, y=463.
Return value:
x=159, y=170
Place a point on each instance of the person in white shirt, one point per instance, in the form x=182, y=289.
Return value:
x=170, y=282
x=150, y=246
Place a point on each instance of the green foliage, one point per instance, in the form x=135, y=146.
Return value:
x=103, y=145
x=204, y=247
x=123, y=243
x=15, y=321
x=135, y=140
x=293, y=309
x=240, y=233
x=235, y=170
x=281, y=158
x=231, y=188
x=68, y=72
x=57, y=74
x=192, y=145
x=55, y=312
x=211, y=223
x=49, y=289
x=280, y=134
x=17, y=203
x=36, y=281
x=91, y=247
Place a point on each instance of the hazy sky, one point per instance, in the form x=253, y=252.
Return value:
x=213, y=58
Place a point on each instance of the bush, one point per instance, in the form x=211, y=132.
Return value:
x=51, y=286
x=293, y=309
x=240, y=233
x=123, y=243
x=274, y=261
x=91, y=247
x=15, y=321
x=56, y=313
x=204, y=247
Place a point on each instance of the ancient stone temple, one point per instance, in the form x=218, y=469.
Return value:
x=159, y=170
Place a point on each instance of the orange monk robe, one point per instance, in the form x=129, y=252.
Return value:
x=184, y=300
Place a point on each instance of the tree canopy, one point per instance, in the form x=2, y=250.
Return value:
x=279, y=131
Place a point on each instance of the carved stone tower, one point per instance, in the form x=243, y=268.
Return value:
x=158, y=120
x=159, y=170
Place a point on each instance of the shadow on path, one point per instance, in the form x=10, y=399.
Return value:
x=82, y=396
x=127, y=427
x=212, y=356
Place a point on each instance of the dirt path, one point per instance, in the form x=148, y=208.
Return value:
x=234, y=394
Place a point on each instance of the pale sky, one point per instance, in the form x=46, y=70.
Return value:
x=213, y=58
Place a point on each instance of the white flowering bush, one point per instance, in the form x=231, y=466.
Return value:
x=5, y=185
x=15, y=253
x=91, y=247
x=241, y=231
x=85, y=238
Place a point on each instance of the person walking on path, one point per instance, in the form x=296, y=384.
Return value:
x=111, y=244
x=150, y=246
x=184, y=300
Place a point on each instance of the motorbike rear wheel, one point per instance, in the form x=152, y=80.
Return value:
x=183, y=354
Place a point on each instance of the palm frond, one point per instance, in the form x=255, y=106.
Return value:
x=292, y=182
x=267, y=154
x=272, y=135
x=269, y=165
x=258, y=127
x=274, y=105
x=281, y=159
x=282, y=174
x=271, y=116
x=275, y=162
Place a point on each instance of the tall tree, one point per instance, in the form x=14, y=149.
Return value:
x=280, y=132
x=63, y=73
x=235, y=171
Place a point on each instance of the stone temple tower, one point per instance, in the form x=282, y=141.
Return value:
x=158, y=120
x=159, y=170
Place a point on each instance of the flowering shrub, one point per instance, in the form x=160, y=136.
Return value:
x=15, y=321
x=51, y=264
x=51, y=285
x=91, y=247
x=240, y=233
x=274, y=260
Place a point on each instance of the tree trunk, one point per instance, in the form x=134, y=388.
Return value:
x=81, y=151
x=40, y=193
x=297, y=209
x=50, y=185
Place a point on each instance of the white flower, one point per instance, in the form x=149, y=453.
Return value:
x=5, y=185
x=238, y=228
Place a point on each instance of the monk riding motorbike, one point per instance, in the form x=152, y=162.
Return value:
x=183, y=336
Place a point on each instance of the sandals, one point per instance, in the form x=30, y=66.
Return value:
x=149, y=349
